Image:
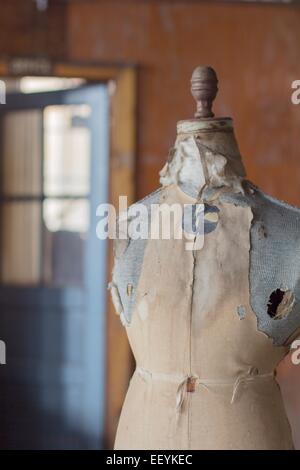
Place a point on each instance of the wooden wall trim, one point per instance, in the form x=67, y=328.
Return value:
x=122, y=182
x=3, y=68
x=90, y=72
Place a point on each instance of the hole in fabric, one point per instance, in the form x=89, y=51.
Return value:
x=280, y=303
x=262, y=231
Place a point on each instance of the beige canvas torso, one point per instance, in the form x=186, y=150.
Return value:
x=204, y=375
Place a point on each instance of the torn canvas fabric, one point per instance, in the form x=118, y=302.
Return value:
x=208, y=327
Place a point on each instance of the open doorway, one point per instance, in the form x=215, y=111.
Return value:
x=36, y=77
x=54, y=167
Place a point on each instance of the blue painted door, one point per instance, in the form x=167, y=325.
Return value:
x=54, y=162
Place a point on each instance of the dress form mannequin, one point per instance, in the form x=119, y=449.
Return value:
x=208, y=327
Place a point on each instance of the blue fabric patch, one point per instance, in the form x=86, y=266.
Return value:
x=198, y=219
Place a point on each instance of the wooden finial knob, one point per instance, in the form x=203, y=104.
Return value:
x=204, y=89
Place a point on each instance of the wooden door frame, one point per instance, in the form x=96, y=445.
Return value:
x=121, y=182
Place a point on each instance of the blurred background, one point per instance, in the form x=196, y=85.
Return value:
x=94, y=89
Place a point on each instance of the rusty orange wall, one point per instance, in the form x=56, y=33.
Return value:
x=255, y=50
x=25, y=31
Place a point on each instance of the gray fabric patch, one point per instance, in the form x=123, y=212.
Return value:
x=192, y=216
x=241, y=310
x=189, y=189
x=127, y=267
x=237, y=199
x=210, y=226
x=274, y=262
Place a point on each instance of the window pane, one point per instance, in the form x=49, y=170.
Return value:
x=22, y=148
x=21, y=242
x=66, y=150
x=71, y=215
x=66, y=223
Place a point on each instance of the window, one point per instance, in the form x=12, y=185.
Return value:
x=45, y=195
